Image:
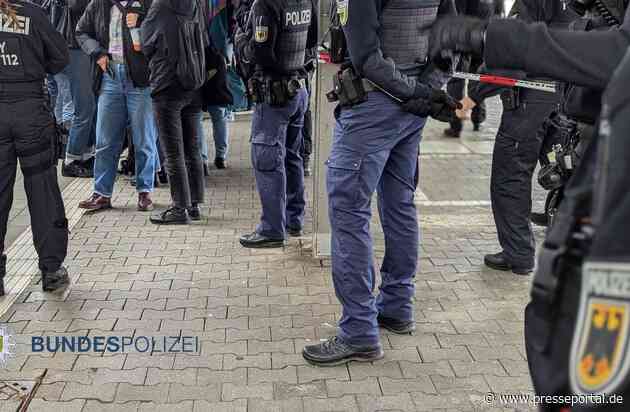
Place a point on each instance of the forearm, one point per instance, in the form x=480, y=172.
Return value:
x=583, y=58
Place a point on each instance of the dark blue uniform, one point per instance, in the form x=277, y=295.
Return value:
x=375, y=148
x=29, y=49
x=517, y=147
x=281, y=32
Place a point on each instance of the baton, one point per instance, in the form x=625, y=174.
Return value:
x=508, y=82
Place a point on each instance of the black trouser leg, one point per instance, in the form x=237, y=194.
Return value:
x=8, y=165
x=168, y=115
x=34, y=147
x=513, y=165
x=190, y=119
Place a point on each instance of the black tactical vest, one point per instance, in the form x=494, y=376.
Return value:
x=291, y=44
x=404, y=32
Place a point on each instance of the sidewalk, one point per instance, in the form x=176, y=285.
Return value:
x=253, y=311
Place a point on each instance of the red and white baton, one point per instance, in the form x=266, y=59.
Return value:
x=508, y=82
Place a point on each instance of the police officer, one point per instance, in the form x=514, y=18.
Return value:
x=455, y=87
x=576, y=326
x=517, y=147
x=30, y=48
x=383, y=106
x=280, y=33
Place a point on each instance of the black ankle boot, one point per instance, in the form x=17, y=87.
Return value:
x=55, y=280
x=172, y=216
x=194, y=212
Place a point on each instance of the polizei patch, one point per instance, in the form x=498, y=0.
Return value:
x=21, y=24
x=600, y=358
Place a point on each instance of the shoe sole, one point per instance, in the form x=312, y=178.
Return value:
x=516, y=271
x=97, y=209
x=171, y=223
x=62, y=285
x=497, y=267
x=408, y=331
x=146, y=209
x=367, y=357
x=267, y=245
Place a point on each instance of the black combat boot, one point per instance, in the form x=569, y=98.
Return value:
x=194, y=212
x=55, y=280
x=172, y=216
x=399, y=327
x=335, y=352
x=257, y=241
x=498, y=261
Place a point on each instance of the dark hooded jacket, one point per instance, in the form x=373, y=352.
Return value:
x=93, y=37
x=160, y=39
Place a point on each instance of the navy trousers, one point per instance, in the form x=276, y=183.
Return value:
x=276, y=145
x=375, y=148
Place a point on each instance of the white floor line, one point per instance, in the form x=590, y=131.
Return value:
x=22, y=262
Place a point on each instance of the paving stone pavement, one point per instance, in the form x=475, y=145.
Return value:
x=254, y=310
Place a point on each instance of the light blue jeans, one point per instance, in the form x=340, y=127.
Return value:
x=81, y=138
x=220, y=131
x=121, y=103
x=64, y=107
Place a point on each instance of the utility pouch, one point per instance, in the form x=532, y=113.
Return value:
x=279, y=94
x=510, y=99
x=256, y=89
x=348, y=88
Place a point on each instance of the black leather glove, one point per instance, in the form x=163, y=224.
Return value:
x=438, y=104
x=457, y=34
x=443, y=106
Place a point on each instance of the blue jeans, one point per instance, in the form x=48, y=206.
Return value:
x=64, y=107
x=81, y=138
x=220, y=132
x=375, y=149
x=121, y=103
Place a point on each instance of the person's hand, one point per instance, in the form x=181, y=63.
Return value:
x=443, y=106
x=437, y=104
x=467, y=105
x=132, y=20
x=457, y=34
x=103, y=62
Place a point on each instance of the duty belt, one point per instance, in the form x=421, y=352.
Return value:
x=22, y=88
x=275, y=92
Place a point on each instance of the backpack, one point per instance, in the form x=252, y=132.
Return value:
x=190, y=65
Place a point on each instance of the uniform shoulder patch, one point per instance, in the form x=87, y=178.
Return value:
x=343, y=8
x=261, y=33
x=600, y=358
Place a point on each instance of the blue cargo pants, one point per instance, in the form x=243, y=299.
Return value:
x=278, y=167
x=375, y=148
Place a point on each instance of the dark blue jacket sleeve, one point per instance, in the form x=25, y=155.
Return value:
x=364, y=46
x=261, y=48
x=583, y=58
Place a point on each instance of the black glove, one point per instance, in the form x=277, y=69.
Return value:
x=443, y=106
x=438, y=104
x=457, y=34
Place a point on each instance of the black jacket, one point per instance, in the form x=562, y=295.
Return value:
x=93, y=37
x=160, y=39
x=65, y=18
x=36, y=49
x=583, y=58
